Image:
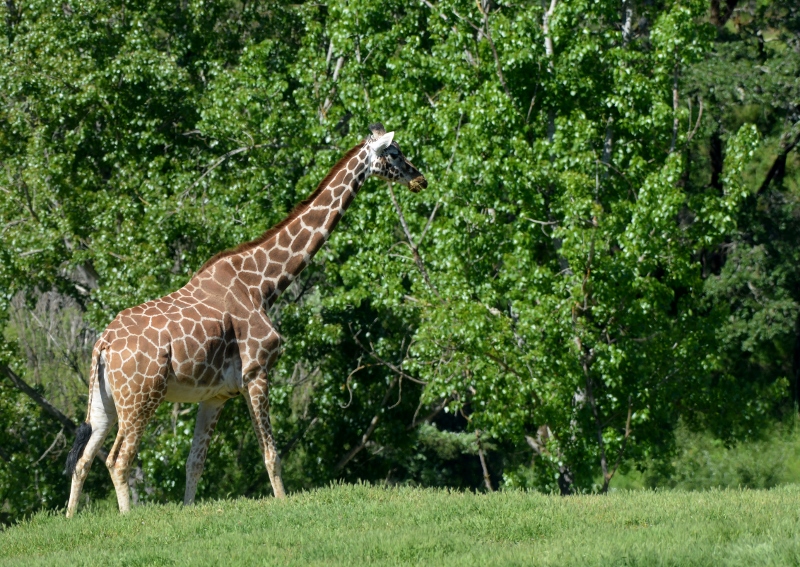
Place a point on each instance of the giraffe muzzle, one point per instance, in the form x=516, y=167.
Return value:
x=417, y=184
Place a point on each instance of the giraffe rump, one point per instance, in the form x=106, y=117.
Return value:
x=82, y=435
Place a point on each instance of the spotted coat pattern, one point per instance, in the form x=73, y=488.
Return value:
x=212, y=340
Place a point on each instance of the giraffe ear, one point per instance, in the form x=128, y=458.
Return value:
x=382, y=142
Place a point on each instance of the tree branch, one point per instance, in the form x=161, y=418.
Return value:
x=365, y=437
x=486, y=478
x=49, y=408
x=778, y=168
x=65, y=354
x=388, y=364
x=326, y=106
x=693, y=131
x=347, y=383
x=508, y=368
x=297, y=437
x=431, y=6
x=598, y=426
x=414, y=250
x=627, y=16
x=718, y=16
x=430, y=221
x=607, y=481
x=59, y=437
x=675, y=103
x=355, y=450
x=430, y=416
x=539, y=446
x=487, y=32
x=548, y=39
x=548, y=48
x=219, y=162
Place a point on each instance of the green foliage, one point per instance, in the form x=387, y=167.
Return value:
x=32, y=459
x=342, y=525
x=752, y=276
x=703, y=462
x=592, y=260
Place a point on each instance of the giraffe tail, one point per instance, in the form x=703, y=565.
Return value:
x=82, y=435
x=84, y=431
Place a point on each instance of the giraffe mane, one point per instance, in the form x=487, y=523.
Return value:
x=296, y=212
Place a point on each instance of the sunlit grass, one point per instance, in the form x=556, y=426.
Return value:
x=356, y=525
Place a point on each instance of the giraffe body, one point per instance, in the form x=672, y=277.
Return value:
x=212, y=340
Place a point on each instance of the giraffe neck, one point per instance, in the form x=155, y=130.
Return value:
x=271, y=262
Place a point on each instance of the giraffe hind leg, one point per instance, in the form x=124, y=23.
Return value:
x=90, y=436
x=207, y=417
x=132, y=423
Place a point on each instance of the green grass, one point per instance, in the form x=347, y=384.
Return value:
x=358, y=525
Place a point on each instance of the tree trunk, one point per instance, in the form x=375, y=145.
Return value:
x=716, y=159
x=565, y=480
x=796, y=366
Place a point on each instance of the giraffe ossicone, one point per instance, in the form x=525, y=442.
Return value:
x=212, y=340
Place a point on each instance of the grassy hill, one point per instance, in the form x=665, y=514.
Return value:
x=356, y=525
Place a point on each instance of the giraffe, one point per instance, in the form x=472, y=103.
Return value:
x=212, y=340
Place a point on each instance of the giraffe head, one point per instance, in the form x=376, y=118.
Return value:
x=389, y=163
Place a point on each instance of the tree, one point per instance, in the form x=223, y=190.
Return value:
x=562, y=291
x=752, y=276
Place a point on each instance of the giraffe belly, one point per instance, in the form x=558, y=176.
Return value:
x=207, y=383
x=177, y=392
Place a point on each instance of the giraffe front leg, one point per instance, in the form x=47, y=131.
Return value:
x=259, y=348
x=207, y=417
x=257, y=395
